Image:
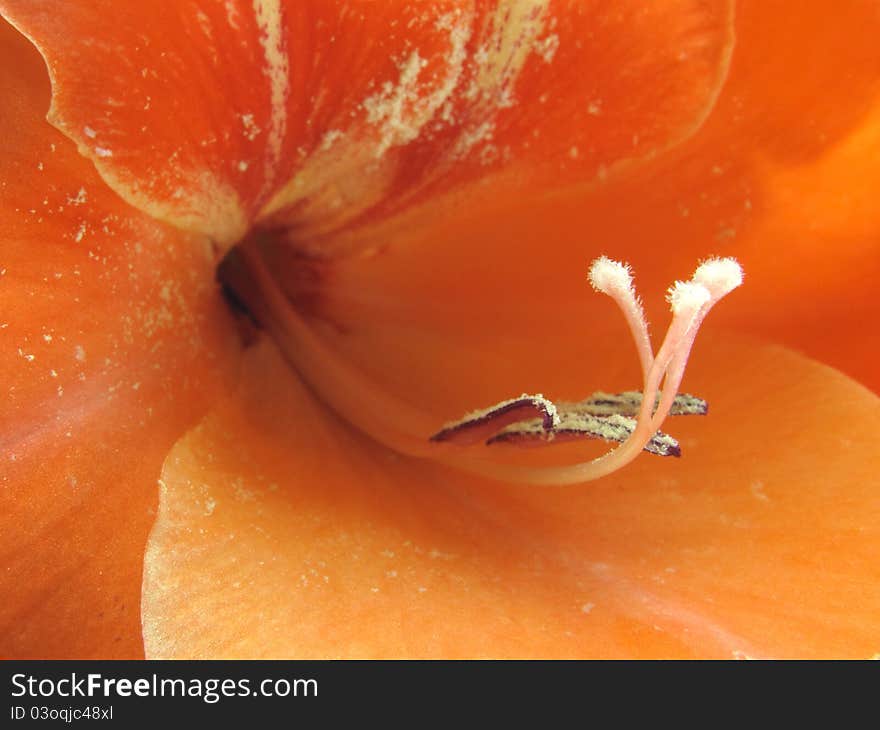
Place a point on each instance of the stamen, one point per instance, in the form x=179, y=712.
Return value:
x=629, y=403
x=605, y=416
x=575, y=426
x=479, y=425
x=690, y=302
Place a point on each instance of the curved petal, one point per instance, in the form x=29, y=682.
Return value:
x=783, y=176
x=112, y=340
x=315, y=113
x=491, y=295
x=818, y=287
x=281, y=532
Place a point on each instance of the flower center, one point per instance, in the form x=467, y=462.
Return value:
x=280, y=289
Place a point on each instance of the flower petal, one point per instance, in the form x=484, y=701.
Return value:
x=113, y=338
x=789, y=179
x=442, y=282
x=281, y=532
x=205, y=114
x=818, y=290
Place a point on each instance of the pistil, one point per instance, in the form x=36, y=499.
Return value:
x=632, y=419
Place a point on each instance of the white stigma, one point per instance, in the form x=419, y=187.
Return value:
x=719, y=276
x=611, y=277
x=687, y=297
x=615, y=279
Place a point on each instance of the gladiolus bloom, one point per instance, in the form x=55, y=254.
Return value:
x=261, y=251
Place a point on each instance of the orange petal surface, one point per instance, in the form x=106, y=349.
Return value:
x=281, y=532
x=497, y=283
x=112, y=340
x=313, y=114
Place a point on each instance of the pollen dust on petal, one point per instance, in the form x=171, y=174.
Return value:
x=457, y=91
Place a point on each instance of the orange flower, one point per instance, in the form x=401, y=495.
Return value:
x=426, y=184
